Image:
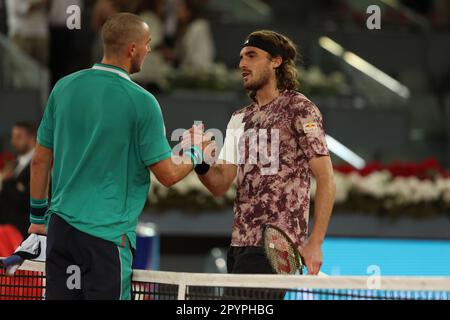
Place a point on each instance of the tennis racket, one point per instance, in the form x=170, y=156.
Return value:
x=281, y=252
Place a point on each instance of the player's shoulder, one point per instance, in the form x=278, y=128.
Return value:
x=145, y=101
x=135, y=91
x=244, y=110
x=298, y=102
x=61, y=83
x=75, y=75
x=295, y=98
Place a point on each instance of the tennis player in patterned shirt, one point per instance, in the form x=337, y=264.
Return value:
x=273, y=188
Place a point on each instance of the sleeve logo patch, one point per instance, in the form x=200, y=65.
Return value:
x=310, y=127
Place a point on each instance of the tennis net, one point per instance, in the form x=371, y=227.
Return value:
x=29, y=284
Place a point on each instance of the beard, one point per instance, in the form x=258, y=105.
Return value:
x=259, y=81
x=135, y=65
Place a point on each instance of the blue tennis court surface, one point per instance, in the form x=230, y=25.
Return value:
x=387, y=257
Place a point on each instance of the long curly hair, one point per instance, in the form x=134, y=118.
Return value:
x=286, y=73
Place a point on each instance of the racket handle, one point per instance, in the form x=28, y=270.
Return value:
x=12, y=260
x=11, y=264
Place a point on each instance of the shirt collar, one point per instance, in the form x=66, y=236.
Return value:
x=110, y=68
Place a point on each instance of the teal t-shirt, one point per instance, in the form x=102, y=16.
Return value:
x=105, y=131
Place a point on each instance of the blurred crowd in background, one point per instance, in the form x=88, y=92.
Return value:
x=181, y=33
x=180, y=36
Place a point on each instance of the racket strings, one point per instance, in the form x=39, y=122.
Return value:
x=281, y=254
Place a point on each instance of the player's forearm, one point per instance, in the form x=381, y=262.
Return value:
x=216, y=181
x=39, y=182
x=40, y=177
x=323, y=207
x=180, y=168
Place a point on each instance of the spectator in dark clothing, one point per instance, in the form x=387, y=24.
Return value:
x=3, y=25
x=15, y=180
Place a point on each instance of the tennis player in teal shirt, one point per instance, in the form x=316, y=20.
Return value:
x=104, y=133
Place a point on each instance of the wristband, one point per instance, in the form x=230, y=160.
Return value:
x=38, y=208
x=193, y=159
x=202, y=168
x=198, y=154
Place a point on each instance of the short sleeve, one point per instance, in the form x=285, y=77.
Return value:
x=309, y=131
x=47, y=126
x=235, y=130
x=153, y=144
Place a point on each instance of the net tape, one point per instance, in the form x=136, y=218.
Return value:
x=29, y=283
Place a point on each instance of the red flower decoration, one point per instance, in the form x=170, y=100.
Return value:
x=428, y=169
x=6, y=157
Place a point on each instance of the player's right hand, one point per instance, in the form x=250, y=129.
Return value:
x=192, y=137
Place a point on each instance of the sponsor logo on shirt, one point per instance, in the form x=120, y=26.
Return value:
x=310, y=127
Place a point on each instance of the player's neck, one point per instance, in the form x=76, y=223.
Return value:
x=117, y=63
x=267, y=93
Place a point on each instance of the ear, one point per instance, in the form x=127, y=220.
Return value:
x=132, y=49
x=277, y=61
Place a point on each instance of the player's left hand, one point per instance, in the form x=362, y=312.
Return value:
x=312, y=256
x=209, y=147
x=37, y=229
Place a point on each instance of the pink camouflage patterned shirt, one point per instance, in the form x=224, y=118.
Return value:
x=273, y=179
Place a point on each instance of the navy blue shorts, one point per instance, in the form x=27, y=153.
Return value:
x=83, y=267
x=248, y=260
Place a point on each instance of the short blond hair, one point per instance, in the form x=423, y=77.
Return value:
x=119, y=30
